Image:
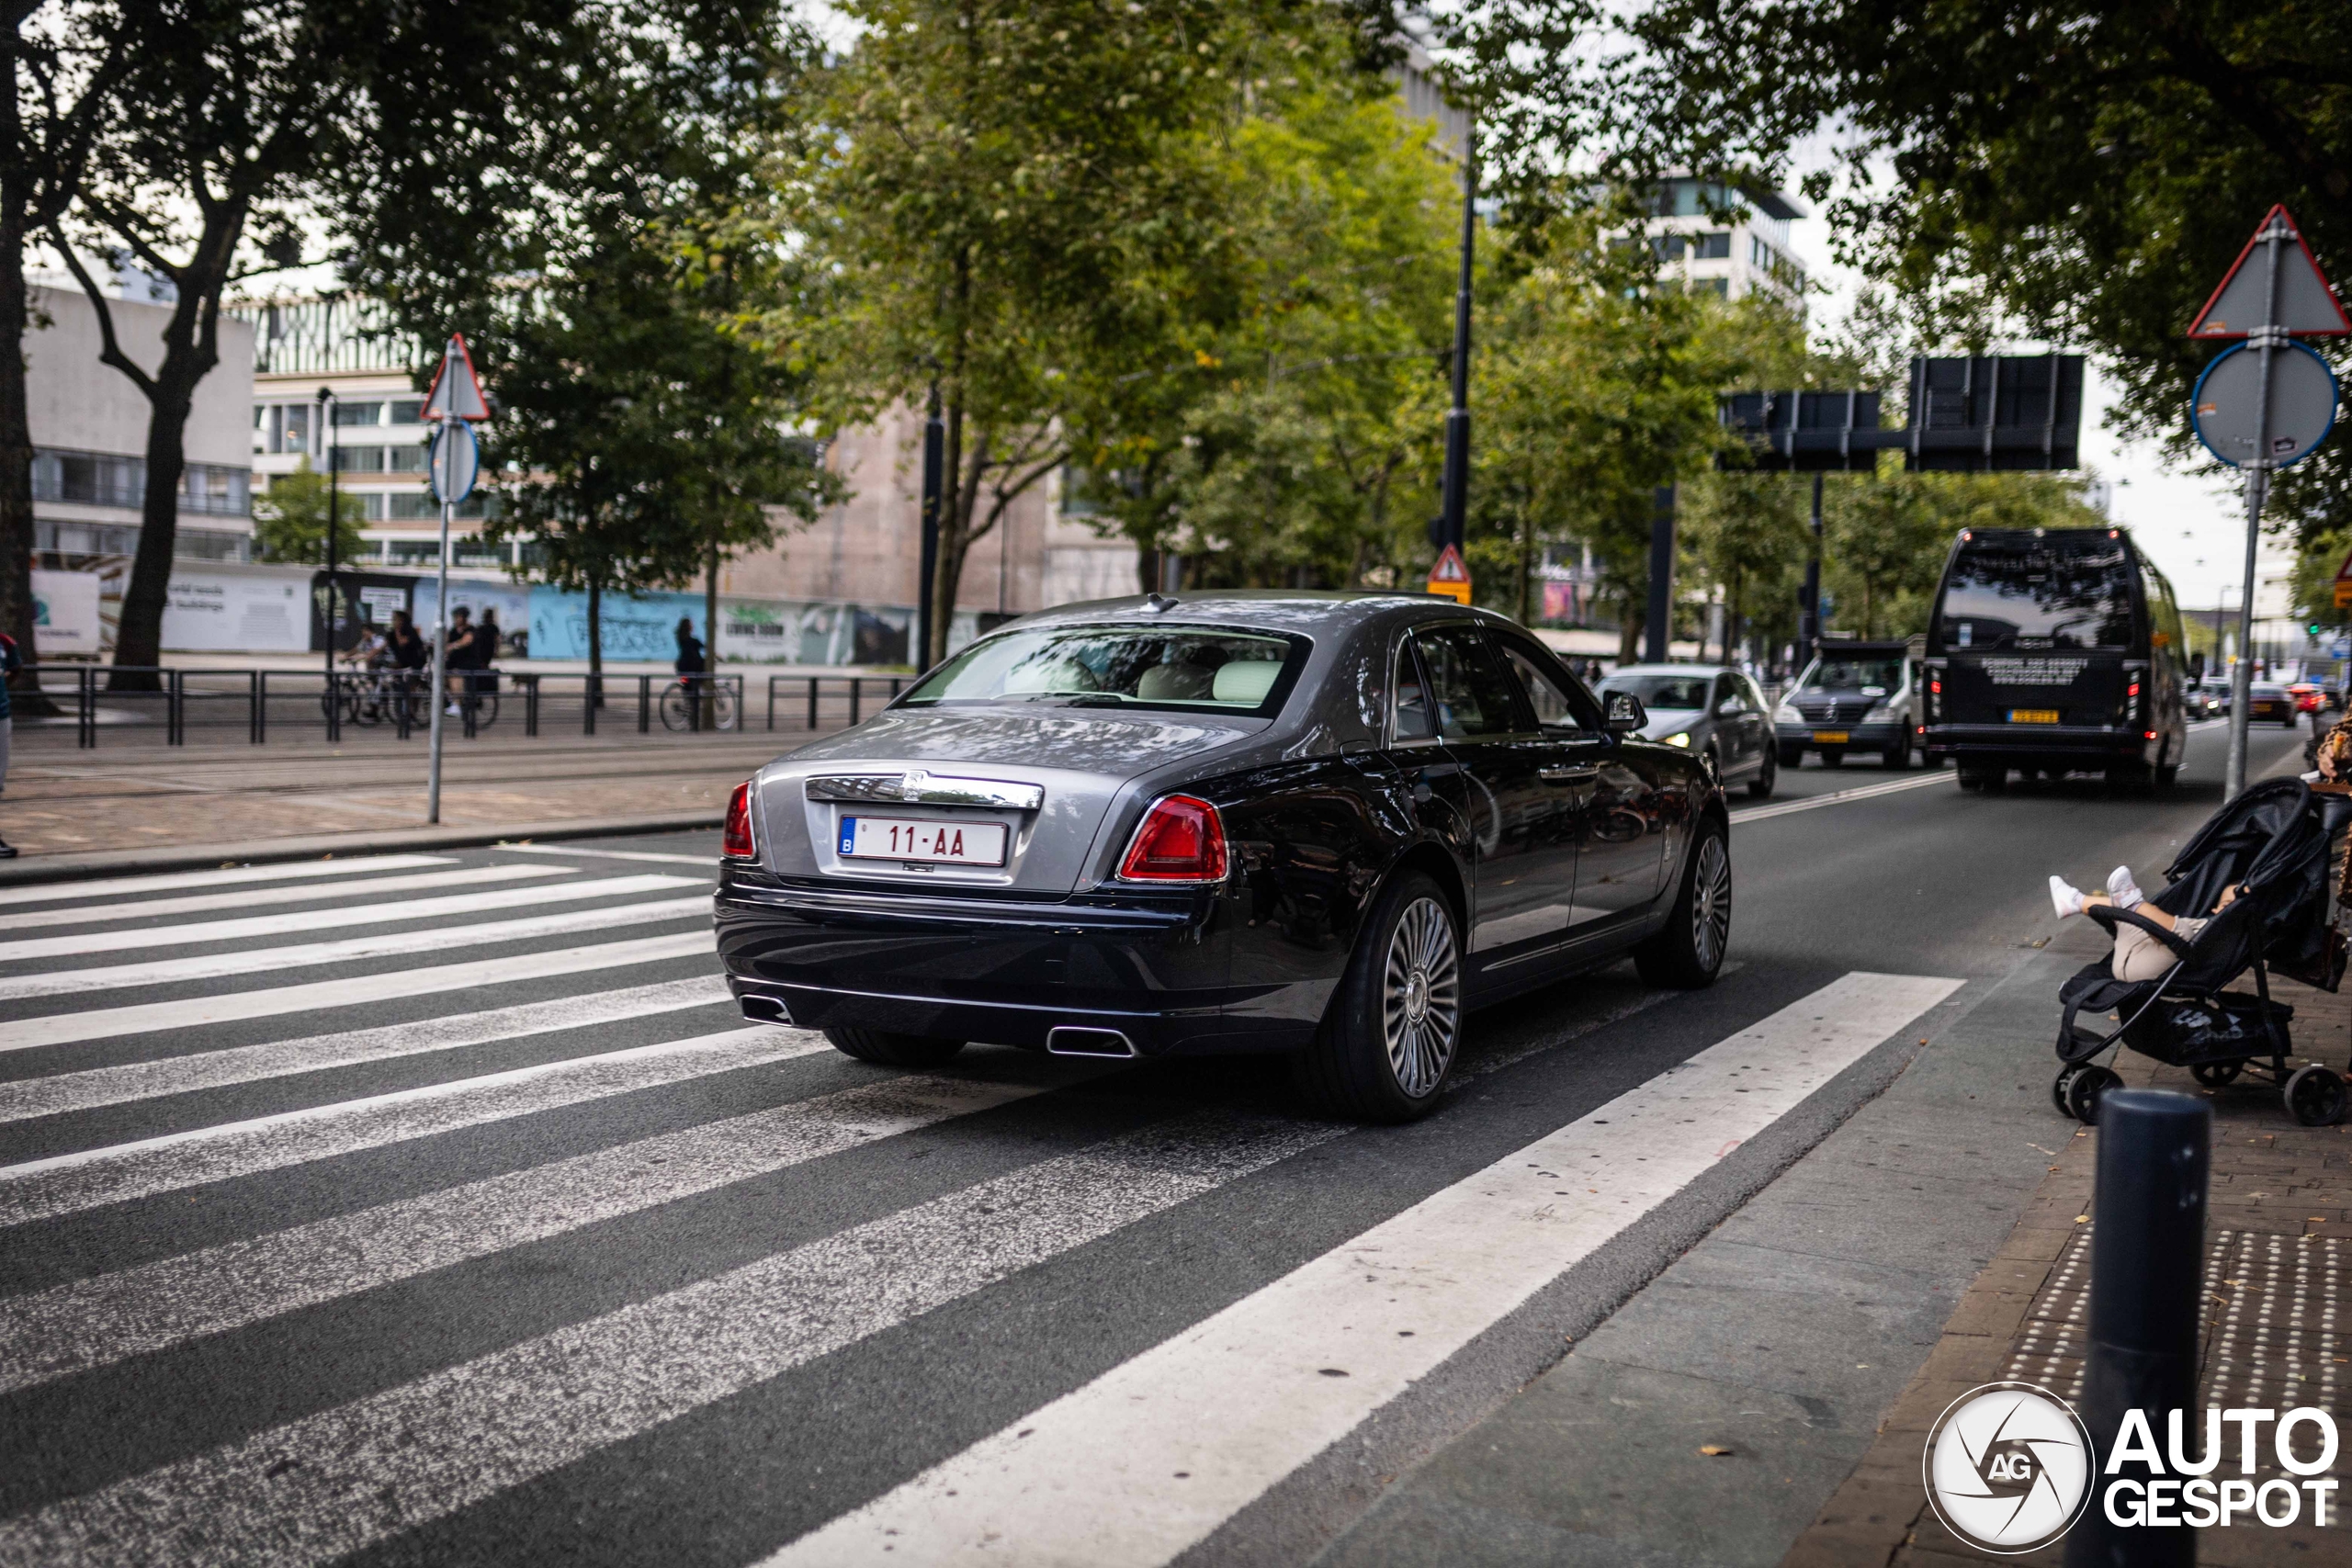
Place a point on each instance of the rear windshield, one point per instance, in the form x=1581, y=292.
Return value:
x=1869, y=676
x=2037, y=593
x=1147, y=667
x=1663, y=691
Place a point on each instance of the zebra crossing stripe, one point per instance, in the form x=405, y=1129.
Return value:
x=90, y=1323
x=119, y=887
x=1151, y=1458
x=249, y=926
x=94, y=1087
x=253, y=897
x=350, y=950
x=116, y=1173
x=344, y=993
x=350, y=1476
x=606, y=854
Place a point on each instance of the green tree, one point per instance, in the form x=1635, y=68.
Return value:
x=250, y=121
x=1292, y=446
x=638, y=436
x=290, y=519
x=1023, y=208
x=2078, y=171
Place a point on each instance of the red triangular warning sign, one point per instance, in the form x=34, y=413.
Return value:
x=2305, y=307
x=1450, y=578
x=456, y=393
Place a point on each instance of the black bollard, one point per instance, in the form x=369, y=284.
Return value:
x=2147, y=1280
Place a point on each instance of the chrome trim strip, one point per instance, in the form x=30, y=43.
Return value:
x=920, y=788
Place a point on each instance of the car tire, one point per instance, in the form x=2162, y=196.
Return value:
x=1897, y=757
x=1768, y=775
x=1390, y=1040
x=886, y=1048
x=1791, y=756
x=1687, y=951
x=1833, y=756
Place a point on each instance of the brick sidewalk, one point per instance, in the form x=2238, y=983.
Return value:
x=2279, y=1269
x=63, y=801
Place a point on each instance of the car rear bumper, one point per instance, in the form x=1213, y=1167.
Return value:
x=1151, y=967
x=1859, y=737
x=2040, y=745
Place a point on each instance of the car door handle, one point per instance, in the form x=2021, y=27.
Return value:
x=1577, y=774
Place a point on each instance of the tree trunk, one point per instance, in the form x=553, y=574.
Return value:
x=710, y=703
x=1629, y=633
x=1526, y=567
x=139, y=641
x=595, y=643
x=15, y=441
x=956, y=506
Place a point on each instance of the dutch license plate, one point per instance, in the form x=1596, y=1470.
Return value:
x=2033, y=716
x=1829, y=737
x=937, y=843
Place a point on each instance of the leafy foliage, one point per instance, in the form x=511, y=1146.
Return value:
x=290, y=519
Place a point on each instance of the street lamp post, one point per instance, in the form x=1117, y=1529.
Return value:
x=935, y=461
x=329, y=407
x=1455, y=490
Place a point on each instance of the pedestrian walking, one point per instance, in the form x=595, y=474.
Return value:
x=691, y=660
x=10, y=662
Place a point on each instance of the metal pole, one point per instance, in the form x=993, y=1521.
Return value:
x=2257, y=485
x=1809, y=623
x=935, y=462
x=1658, y=635
x=1455, y=490
x=329, y=405
x=440, y=656
x=2147, y=1277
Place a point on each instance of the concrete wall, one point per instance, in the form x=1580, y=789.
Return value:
x=82, y=405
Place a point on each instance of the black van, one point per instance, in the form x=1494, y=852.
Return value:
x=2052, y=651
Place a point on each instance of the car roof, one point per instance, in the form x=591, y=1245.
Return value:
x=1301, y=610
x=1670, y=670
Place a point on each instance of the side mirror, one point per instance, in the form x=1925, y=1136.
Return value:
x=1727, y=708
x=2197, y=666
x=1625, y=713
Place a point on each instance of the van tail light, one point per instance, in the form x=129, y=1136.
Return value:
x=2133, y=690
x=735, y=842
x=1936, y=687
x=1180, y=838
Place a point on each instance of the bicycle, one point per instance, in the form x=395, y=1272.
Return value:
x=682, y=701
x=477, y=699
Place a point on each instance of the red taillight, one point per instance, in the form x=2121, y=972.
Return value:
x=735, y=842
x=1179, y=839
x=1935, y=688
x=2133, y=690
x=2152, y=735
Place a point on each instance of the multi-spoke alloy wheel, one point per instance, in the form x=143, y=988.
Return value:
x=1711, y=904
x=1422, y=997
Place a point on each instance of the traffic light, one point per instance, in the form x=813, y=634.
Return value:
x=2312, y=629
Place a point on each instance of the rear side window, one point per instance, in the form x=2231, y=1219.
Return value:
x=2038, y=594
x=1558, y=710
x=1473, y=694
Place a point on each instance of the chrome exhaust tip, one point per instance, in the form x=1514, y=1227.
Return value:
x=1070, y=1042
x=765, y=1010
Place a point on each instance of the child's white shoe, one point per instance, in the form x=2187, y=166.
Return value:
x=2123, y=889
x=2068, y=899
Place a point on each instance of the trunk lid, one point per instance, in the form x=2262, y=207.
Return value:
x=1052, y=779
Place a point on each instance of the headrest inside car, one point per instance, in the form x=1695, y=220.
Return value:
x=1175, y=682
x=1246, y=681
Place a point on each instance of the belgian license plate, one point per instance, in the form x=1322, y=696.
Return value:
x=2033, y=716
x=1829, y=737
x=937, y=843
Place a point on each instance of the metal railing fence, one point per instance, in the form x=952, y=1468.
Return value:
x=286, y=704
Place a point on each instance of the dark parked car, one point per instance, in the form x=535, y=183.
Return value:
x=1710, y=710
x=1327, y=824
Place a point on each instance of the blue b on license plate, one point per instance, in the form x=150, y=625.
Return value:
x=902, y=837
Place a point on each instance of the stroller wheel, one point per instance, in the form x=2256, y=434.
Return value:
x=2213, y=1074
x=2086, y=1088
x=2058, y=1088
x=2315, y=1097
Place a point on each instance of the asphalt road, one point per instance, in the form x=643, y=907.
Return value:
x=439, y=1209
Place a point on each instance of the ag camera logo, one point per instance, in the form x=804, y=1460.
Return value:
x=2008, y=1466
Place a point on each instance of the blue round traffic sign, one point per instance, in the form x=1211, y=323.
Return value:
x=2224, y=406
x=455, y=462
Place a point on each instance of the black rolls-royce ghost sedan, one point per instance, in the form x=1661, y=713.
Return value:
x=1327, y=824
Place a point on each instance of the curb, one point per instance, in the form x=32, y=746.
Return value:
x=182, y=857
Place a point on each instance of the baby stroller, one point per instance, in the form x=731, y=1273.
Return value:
x=2273, y=842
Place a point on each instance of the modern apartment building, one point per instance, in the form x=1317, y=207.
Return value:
x=1730, y=240
x=89, y=426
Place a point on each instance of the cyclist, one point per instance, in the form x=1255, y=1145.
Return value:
x=691, y=660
